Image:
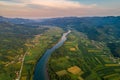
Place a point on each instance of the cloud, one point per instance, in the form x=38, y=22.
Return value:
x=36, y=6
x=15, y=1
x=50, y=8
x=60, y=4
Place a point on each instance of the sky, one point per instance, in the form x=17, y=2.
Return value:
x=59, y=8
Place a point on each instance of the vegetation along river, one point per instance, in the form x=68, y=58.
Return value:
x=40, y=70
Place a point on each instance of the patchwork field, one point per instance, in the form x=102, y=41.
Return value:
x=83, y=59
x=36, y=49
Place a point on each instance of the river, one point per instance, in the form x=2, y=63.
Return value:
x=40, y=70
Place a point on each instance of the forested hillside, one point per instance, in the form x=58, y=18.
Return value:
x=106, y=29
x=100, y=27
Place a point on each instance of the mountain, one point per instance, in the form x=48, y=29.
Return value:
x=16, y=20
x=100, y=27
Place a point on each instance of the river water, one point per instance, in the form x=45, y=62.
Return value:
x=40, y=70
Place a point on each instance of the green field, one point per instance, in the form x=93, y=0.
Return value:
x=92, y=57
x=36, y=49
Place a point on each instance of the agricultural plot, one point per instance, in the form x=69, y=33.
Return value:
x=83, y=59
x=75, y=70
x=61, y=73
x=72, y=49
x=38, y=46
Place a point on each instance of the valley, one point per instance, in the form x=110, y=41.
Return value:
x=90, y=52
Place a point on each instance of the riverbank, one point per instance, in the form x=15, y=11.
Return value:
x=45, y=41
x=40, y=71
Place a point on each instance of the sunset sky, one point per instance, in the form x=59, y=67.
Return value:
x=58, y=8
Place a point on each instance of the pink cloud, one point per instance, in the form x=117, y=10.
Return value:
x=51, y=8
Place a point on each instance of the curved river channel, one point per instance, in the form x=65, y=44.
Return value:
x=40, y=70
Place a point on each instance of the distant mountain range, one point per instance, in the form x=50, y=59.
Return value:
x=103, y=28
x=15, y=20
x=67, y=21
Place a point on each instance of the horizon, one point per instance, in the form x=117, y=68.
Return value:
x=57, y=17
x=58, y=8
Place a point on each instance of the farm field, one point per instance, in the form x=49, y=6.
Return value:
x=36, y=49
x=12, y=47
x=83, y=59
